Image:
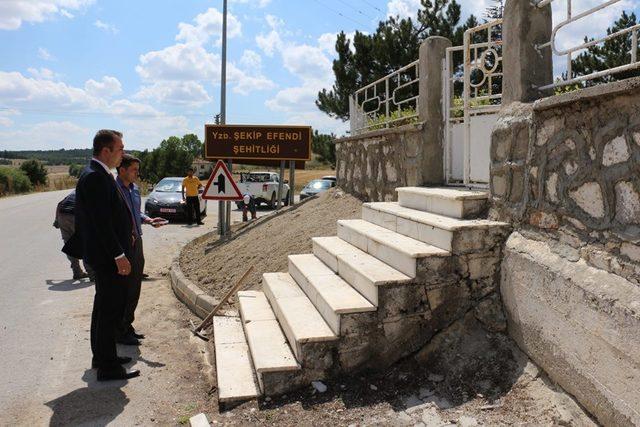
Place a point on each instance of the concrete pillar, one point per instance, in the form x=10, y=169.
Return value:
x=525, y=68
x=430, y=108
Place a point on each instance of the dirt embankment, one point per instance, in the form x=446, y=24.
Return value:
x=267, y=246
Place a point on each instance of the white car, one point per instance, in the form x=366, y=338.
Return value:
x=263, y=186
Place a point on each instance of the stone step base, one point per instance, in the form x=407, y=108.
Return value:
x=394, y=249
x=448, y=201
x=300, y=320
x=328, y=292
x=450, y=234
x=236, y=378
x=362, y=271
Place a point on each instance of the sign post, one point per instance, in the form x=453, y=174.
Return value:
x=223, y=226
x=292, y=182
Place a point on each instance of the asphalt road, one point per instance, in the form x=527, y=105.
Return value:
x=45, y=316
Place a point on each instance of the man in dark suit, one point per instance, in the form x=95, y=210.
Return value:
x=107, y=234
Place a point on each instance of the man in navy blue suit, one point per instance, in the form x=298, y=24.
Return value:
x=106, y=237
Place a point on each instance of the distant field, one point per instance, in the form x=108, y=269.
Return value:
x=58, y=177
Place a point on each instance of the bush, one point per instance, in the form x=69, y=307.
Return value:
x=13, y=181
x=36, y=172
x=396, y=119
x=75, y=169
x=323, y=145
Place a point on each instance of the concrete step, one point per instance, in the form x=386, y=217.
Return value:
x=236, y=378
x=448, y=201
x=298, y=317
x=362, y=271
x=331, y=295
x=267, y=343
x=394, y=249
x=451, y=234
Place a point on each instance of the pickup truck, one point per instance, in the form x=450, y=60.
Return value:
x=263, y=186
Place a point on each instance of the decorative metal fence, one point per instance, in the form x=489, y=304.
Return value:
x=389, y=101
x=472, y=81
x=568, y=52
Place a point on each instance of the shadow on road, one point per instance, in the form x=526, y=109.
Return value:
x=92, y=405
x=67, y=285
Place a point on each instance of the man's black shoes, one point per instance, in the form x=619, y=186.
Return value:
x=121, y=360
x=128, y=339
x=137, y=335
x=116, y=374
x=201, y=223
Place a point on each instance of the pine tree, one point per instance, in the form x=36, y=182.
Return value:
x=611, y=53
x=394, y=44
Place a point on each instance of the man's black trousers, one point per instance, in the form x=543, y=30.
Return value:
x=106, y=318
x=134, y=282
x=193, y=204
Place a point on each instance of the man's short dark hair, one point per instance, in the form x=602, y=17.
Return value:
x=128, y=160
x=190, y=170
x=104, y=139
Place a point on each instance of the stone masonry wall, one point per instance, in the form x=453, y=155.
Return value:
x=372, y=165
x=566, y=173
x=568, y=168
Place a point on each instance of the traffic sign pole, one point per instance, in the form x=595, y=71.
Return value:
x=222, y=226
x=292, y=182
x=280, y=184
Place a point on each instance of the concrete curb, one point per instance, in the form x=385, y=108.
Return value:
x=198, y=301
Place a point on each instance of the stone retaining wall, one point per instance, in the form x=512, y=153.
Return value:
x=566, y=173
x=372, y=165
x=569, y=167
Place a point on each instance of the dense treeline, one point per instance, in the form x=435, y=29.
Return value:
x=51, y=157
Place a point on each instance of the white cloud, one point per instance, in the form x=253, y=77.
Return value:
x=181, y=93
x=42, y=73
x=176, y=74
x=251, y=60
x=208, y=25
x=44, y=54
x=293, y=99
x=272, y=41
x=107, y=87
x=58, y=135
x=182, y=61
x=311, y=65
x=13, y=13
x=307, y=62
x=109, y=28
x=17, y=90
x=247, y=84
x=144, y=125
x=404, y=8
x=327, y=42
x=5, y=119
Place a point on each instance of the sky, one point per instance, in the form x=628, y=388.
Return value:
x=152, y=68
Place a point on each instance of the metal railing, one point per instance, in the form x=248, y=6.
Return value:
x=634, y=63
x=474, y=90
x=387, y=101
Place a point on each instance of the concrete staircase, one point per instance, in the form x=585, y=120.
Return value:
x=374, y=293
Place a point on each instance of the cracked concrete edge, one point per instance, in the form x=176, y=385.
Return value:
x=197, y=300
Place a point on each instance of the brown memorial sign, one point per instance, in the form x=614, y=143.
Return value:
x=250, y=142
